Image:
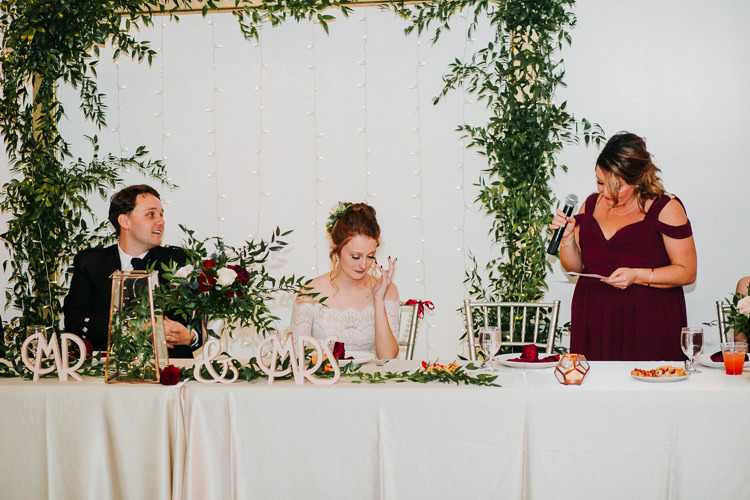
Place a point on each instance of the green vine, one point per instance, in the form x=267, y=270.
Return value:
x=46, y=43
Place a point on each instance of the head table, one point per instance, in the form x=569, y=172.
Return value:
x=612, y=437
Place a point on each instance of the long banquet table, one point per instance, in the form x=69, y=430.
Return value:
x=612, y=437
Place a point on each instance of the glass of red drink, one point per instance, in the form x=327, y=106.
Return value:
x=733, y=354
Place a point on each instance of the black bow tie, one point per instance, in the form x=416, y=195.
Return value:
x=138, y=264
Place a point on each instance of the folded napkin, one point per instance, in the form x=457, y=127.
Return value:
x=339, y=351
x=530, y=354
x=717, y=357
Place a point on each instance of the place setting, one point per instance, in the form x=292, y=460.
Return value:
x=691, y=343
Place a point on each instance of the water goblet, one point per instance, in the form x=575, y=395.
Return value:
x=489, y=344
x=691, y=341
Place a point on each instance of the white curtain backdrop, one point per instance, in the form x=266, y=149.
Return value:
x=259, y=135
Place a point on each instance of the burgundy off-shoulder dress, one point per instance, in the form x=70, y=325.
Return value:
x=639, y=323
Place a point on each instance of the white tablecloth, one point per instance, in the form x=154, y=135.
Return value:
x=613, y=437
x=89, y=440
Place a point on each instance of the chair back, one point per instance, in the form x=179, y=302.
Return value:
x=408, y=321
x=520, y=323
x=722, y=309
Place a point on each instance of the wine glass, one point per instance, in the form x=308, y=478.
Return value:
x=691, y=341
x=489, y=343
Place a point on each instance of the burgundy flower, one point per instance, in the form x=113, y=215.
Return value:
x=170, y=375
x=207, y=281
x=339, y=352
x=89, y=347
x=74, y=353
x=242, y=275
x=238, y=293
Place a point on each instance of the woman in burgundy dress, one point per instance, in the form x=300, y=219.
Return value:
x=639, y=237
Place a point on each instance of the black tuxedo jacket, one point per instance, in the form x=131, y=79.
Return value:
x=88, y=301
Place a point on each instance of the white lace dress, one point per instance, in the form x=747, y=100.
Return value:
x=356, y=329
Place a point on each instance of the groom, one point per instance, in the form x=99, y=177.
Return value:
x=138, y=218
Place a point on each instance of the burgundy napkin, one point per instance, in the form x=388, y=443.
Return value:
x=717, y=357
x=530, y=354
x=339, y=351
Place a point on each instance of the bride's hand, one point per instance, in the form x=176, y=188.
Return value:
x=386, y=278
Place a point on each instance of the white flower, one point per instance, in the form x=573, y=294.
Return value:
x=184, y=271
x=743, y=306
x=225, y=276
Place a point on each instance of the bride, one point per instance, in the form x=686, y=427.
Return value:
x=361, y=306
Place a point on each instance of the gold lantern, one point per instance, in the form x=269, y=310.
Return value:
x=136, y=344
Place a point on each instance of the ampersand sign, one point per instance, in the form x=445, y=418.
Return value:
x=52, y=350
x=211, y=351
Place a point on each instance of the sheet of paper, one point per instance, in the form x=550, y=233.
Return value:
x=587, y=275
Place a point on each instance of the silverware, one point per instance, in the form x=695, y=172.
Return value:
x=381, y=362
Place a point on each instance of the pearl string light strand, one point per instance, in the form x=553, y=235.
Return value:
x=418, y=196
x=261, y=131
x=316, y=156
x=364, y=128
x=213, y=161
x=466, y=205
x=120, y=88
x=160, y=92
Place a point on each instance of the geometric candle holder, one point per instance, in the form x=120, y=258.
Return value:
x=572, y=369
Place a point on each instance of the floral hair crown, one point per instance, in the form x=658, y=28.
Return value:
x=335, y=215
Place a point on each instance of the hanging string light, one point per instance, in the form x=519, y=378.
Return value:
x=160, y=113
x=213, y=167
x=317, y=159
x=467, y=204
x=418, y=195
x=120, y=89
x=363, y=85
x=261, y=131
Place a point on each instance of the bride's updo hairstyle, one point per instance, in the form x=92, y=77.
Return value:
x=625, y=158
x=356, y=219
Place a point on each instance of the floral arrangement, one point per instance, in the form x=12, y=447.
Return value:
x=226, y=283
x=738, y=318
x=336, y=212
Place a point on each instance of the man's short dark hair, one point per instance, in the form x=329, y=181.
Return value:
x=123, y=202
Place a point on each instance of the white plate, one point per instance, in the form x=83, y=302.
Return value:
x=358, y=357
x=705, y=360
x=504, y=359
x=659, y=379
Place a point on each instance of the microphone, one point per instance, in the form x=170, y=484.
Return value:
x=570, y=204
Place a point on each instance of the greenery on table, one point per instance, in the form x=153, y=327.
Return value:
x=229, y=283
x=430, y=372
x=131, y=348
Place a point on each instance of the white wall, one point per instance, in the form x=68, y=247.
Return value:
x=260, y=135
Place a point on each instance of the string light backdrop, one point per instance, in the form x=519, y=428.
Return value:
x=275, y=132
